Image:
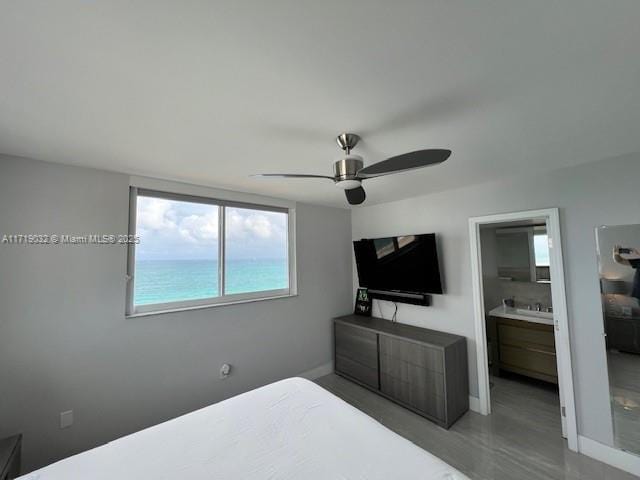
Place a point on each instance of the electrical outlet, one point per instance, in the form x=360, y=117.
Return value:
x=225, y=371
x=66, y=419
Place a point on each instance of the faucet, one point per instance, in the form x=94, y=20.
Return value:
x=509, y=302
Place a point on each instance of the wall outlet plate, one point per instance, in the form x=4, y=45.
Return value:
x=66, y=419
x=225, y=370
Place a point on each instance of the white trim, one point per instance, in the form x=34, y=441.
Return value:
x=207, y=192
x=292, y=256
x=221, y=199
x=131, y=252
x=612, y=456
x=484, y=406
x=212, y=301
x=474, y=404
x=222, y=242
x=561, y=318
x=206, y=305
x=533, y=271
x=317, y=372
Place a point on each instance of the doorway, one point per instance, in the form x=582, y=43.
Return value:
x=549, y=220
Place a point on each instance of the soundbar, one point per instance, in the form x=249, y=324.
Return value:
x=402, y=297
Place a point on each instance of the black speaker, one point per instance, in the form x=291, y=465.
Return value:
x=411, y=298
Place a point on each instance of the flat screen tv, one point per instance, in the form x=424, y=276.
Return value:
x=406, y=264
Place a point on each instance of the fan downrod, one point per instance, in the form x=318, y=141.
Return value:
x=347, y=141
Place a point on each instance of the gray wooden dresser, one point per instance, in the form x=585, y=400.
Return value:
x=10, y=457
x=420, y=369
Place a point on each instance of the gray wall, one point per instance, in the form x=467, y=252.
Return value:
x=606, y=192
x=64, y=341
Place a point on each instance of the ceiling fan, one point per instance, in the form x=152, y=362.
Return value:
x=349, y=172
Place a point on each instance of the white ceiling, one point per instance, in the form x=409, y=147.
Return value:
x=212, y=91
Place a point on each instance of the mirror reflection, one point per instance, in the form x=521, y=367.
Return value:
x=619, y=270
x=523, y=253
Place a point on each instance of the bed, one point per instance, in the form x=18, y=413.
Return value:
x=291, y=429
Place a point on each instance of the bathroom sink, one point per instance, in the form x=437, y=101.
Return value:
x=534, y=313
x=545, y=318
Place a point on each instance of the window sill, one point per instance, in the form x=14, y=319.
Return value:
x=208, y=305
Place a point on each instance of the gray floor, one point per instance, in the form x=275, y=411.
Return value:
x=520, y=440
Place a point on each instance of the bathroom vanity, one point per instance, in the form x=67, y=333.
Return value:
x=522, y=342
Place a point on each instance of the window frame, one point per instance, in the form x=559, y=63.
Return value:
x=222, y=203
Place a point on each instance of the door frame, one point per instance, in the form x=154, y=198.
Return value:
x=560, y=313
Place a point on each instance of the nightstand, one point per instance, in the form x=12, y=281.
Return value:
x=10, y=457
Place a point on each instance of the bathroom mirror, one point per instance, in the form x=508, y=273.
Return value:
x=619, y=271
x=523, y=253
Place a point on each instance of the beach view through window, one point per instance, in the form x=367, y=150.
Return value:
x=177, y=257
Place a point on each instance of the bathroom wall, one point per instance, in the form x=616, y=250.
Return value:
x=524, y=293
x=495, y=289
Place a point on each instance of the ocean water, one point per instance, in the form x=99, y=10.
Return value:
x=161, y=281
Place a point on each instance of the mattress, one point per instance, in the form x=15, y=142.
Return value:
x=291, y=429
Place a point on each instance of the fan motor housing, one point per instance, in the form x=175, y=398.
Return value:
x=345, y=172
x=347, y=168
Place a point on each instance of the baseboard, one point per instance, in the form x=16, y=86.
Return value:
x=474, y=404
x=611, y=456
x=317, y=372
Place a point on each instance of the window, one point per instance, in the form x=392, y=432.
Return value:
x=541, y=256
x=196, y=251
x=256, y=251
x=541, y=249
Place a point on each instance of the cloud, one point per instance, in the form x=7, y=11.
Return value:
x=167, y=218
x=155, y=214
x=172, y=229
x=199, y=228
x=244, y=224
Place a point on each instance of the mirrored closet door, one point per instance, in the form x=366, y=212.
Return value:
x=619, y=270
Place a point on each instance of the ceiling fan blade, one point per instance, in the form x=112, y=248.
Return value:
x=291, y=175
x=355, y=196
x=406, y=161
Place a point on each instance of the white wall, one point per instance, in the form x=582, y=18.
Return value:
x=64, y=341
x=590, y=195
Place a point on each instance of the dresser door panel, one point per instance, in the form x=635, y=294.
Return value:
x=413, y=396
x=357, y=344
x=357, y=371
x=408, y=372
x=420, y=355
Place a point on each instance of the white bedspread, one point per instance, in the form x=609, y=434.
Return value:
x=289, y=430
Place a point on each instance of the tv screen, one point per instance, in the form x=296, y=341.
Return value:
x=407, y=263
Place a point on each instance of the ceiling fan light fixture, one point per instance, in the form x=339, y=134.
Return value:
x=348, y=184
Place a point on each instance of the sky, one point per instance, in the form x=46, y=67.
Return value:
x=541, y=250
x=172, y=230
